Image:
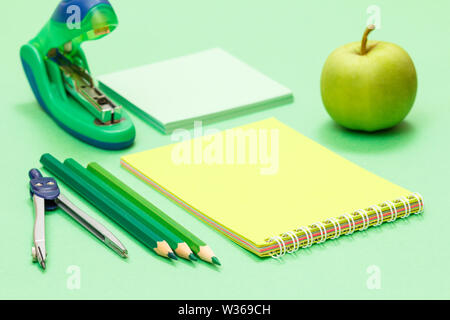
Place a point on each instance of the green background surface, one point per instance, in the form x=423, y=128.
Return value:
x=289, y=41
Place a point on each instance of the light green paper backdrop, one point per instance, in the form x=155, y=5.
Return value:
x=289, y=41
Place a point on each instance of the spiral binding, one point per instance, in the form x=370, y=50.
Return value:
x=362, y=214
x=323, y=231
x=281, y=245
x=419, y=200
x=379, y=213
x=309, y=236
x=392, y=209
x=366, y=222
x=337, y=226
x=295, y=241
x=351, y=225
x=406, y=207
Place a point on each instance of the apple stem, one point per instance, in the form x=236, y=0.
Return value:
x=369, y=29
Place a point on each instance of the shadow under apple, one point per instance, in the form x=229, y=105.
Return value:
x=333, y=135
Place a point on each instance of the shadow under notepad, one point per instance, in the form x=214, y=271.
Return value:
x=334, y=135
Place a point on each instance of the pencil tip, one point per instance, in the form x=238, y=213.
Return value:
x=216, y=261
x=171, y=255
x=193, y=257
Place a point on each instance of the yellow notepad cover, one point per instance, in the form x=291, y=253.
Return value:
x=306, y=183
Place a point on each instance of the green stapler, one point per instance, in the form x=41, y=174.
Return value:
x=59, y=76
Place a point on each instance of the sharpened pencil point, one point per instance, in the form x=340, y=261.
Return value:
x=216, y=261
x=171, y=255
x=192, y=257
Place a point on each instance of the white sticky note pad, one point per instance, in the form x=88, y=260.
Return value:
x=211, y=85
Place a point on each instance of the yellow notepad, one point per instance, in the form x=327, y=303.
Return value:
x=271, y=189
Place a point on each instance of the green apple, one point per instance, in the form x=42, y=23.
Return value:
x=368, y=85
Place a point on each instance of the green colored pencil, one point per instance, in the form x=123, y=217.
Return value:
x=114, y=212
x=198, y=246
x=178, y=245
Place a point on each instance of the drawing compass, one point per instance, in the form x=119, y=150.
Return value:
x=47, y=197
